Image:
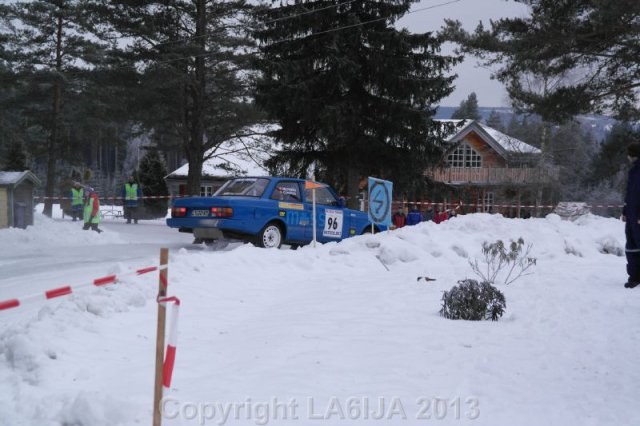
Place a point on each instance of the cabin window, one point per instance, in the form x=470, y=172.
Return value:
x=485, y=202
x=465, y=157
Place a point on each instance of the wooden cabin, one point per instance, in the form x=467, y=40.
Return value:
x=486, y=170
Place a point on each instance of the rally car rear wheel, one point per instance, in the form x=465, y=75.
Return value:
x=270, y=236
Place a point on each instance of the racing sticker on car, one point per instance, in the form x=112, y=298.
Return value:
x=292, y=206
x=332, y=224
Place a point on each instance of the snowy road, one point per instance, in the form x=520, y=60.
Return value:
x=27, y=269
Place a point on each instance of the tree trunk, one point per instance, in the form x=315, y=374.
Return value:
x=55, y=121
x=195, y=172
x=353, y=188
x=196, y=144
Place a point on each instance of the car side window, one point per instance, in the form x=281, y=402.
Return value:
x=323, y=197
x=286, y=191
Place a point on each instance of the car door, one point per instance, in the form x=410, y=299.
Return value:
x=332, y=223
x=286, y=197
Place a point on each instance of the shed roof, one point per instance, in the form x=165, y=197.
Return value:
x=16, y=178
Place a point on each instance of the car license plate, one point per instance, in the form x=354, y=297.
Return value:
x=200, y=213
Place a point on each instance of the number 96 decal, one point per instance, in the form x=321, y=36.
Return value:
x=332, y=224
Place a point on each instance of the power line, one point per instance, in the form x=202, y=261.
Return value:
x=360, y=24
x=291, y=39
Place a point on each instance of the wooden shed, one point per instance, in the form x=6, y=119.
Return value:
x=16, y=199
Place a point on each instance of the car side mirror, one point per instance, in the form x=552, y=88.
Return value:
x=341, y=202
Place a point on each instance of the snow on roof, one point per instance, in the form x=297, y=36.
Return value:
x=241, y=156
x=509, y=143
x=506, y=142
x=14, y=178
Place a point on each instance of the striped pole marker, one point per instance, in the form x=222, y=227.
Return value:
x=66, y=290
x=172, y=344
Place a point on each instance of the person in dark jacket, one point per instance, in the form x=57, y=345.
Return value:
x=428, y=215
x=414, y=217
x=631, y=217
x=398, y=218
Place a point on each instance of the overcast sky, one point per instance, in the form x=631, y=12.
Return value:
x=471, y=77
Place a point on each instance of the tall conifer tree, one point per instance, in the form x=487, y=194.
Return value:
x=352, y=93
x=468, y=109
x=48, y=47
x=194, y=58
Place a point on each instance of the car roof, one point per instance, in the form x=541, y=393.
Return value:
x=271, y=177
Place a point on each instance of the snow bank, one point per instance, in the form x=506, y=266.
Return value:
x=342, y=321
x=47, y=232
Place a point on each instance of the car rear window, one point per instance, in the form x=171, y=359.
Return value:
x=246, y=187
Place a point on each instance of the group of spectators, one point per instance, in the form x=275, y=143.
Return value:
x=414, y=216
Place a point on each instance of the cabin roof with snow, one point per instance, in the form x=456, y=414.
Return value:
x=503, y=144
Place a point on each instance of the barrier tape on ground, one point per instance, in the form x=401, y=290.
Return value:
x=172, y=344
x=480, y=206
x=403, y=203
x=65, y=290
x=114, y=198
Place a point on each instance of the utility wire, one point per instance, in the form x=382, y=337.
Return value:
x=168, y=61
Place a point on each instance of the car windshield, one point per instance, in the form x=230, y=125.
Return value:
x=246, y=187
x=323, y=196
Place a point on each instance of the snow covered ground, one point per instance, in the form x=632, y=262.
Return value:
x=321, y=336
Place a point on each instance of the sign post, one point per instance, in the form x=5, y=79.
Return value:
x=312, y=186
x=380, y=197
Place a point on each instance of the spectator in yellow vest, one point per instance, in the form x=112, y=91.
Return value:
x=91, y=211
x=131, y=194
x=77, y=197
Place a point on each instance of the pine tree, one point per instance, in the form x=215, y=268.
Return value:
x=195, y=86
x=151, y=177
x=599, y=40
x=572, y=150
x=613, y=154
x=15, y=159
x=352, y=94
x=494, y=121
x=45, y=44
x=468, y=109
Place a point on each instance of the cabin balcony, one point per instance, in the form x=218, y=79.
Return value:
x=494, y=175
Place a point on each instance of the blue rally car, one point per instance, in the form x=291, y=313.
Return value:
x=268, y=211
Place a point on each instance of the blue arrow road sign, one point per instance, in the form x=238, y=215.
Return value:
x=380, y=201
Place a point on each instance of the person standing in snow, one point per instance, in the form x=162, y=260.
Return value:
x=77, y=199
x=131, y=193
x=428, y=215
x=91, y=210
x=414, y=217
x=441, y=215
x=631, y=217
x=398, y=219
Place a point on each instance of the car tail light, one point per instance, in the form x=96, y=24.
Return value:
x=221, y=211
x=178, y=211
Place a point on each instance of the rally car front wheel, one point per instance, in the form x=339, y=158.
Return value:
x=271, y=236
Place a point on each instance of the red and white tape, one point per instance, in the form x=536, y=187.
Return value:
x=172, y=344
x=114, y=198
x=530, y=206
x=65, y=290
